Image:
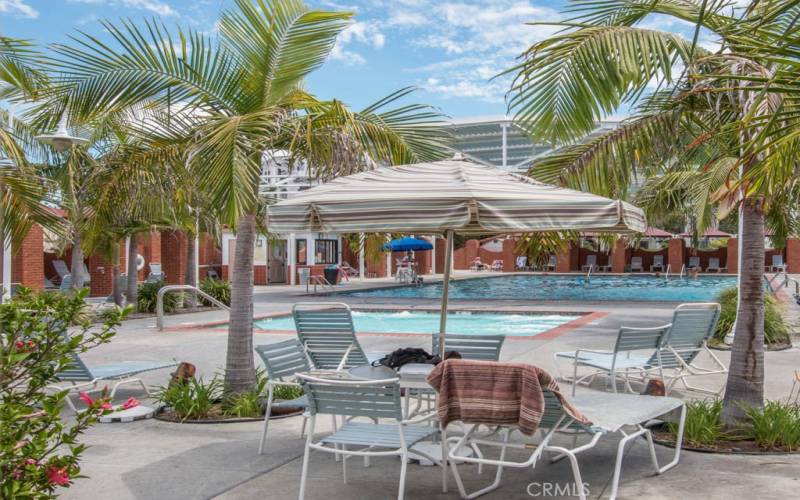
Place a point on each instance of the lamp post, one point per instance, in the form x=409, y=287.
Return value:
x=62, y=141
x=5, y=244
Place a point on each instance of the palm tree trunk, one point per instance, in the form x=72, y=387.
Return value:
x=76, y=265
x=745, y=386
x=115, y=276
x=131, y=295
x=190, y=277
x=239, y=365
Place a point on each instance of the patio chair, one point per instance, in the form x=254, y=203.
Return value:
x=623, y=414
x=521, y=263
x=212, y=274
x=61, y=268
x=636, y=351
x=551, y=264
x=83, y=377
x=377, y=400
x=636, y=264
x=477, y=265
x=282, y=361
x=694, y=263
x=477, y=347
x=326, y=332
x=692, y=327
x=66, y=283
x=777, y=264
x=713, y=265
x=156, y=273
x=591, y=263
x=497, y=265
x=658, y=263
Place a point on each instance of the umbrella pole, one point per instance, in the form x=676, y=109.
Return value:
x=448, y=265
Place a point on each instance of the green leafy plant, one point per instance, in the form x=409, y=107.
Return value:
x=193, y=399
x=776, y=426
x=703, y=425
x=219, y=289
x=247, y=403
x=775, y=328
x=40, y=452
x=147, y=297
x=287, y=392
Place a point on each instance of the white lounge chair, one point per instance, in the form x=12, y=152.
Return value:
x=694, y=263
x=777, y=264
x=521, y=263
x=377, y=400
x=497, y=265
x=658, y=263
x=636, y=264
x=551, y=264
x=282, y=360
x=591, y=263
x=623, y=414
x=637, y=353
x=713, y=265
x=156, y=273
x=326, y=332
x=477, y=347
x=61, y=268
x=85, y=378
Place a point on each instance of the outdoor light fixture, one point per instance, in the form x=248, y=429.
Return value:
x=61, y=140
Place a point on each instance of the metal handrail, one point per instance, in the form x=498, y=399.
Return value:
x=319, y=280
x=786, y=280
x=589, y=274
x=171, y=288
x=683, y=270
x=666, y=274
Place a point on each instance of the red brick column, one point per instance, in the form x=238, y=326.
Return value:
x=149, y=246
x=102, y=274
x=440, y=246
x=567, y=261
x=509, y=259
x=733, y=256
x=617, y=256
x=676, y=254
x=27, y=260
x=792, y=255
x=471, y=250
x=173, y=247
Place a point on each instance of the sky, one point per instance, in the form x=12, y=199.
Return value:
x=451, y=50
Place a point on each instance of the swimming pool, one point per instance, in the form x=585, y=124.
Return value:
x=599, y=288
x=418, y=322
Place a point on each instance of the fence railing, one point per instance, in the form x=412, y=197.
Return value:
x=173, y=288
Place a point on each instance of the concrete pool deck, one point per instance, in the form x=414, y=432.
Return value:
x=154, y=459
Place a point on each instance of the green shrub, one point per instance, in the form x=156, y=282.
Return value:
x=775, y=328
x=148, y=296
x=192, y=400
x=776, y=426
x=219, y=289
x=703, y=425
x=40, y=452
x=246, y=404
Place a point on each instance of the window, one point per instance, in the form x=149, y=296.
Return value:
x=327, y=251
x=301, y=252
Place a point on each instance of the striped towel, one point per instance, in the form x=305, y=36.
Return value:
x=487, y=392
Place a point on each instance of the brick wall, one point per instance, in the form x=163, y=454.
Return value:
x=174, y=246
x=102, y=273
x=676, y=253
x=27, y=260
x=619, y=256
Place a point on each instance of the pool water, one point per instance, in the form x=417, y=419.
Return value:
x=467, y=323
x=598, y=288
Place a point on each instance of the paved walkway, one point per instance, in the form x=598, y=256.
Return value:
x=153, y=459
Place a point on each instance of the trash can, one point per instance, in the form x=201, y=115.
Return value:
x=302, y=275
x=332, y=274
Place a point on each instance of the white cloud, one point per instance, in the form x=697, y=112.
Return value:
x=155, y=6
x=365, y=33
x=18, y=8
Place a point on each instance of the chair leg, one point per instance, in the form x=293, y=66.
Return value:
x=266, y=421
x=344, y=464
x=618, y=463
x=303, y=426
x=445, y=459
x=401, y=491
x=576, y=474
x=306, y=460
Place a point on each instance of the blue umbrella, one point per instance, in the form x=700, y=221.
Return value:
x=406, y=244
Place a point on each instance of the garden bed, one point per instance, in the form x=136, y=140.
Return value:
x=663, y=437
x=218, y=416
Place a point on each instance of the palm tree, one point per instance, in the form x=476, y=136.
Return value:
x=700, y=125
x=242, y=95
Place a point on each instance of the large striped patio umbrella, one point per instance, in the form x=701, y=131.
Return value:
x=447, y=197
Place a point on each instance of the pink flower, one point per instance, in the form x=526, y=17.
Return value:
x=130, y=403
x=106, y=406
x=31, y=461
x=86, y=398
x=58, y=475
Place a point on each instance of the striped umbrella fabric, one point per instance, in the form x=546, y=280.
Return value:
x=447, y=195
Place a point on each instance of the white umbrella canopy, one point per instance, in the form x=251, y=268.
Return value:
x=446, y=197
